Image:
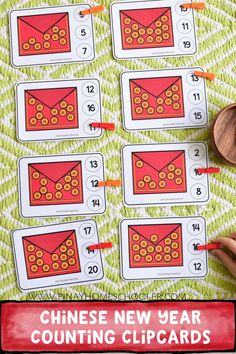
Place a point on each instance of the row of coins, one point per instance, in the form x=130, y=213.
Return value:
x=58, y=35
x=134, y=29
x=65, y=106
x=161, y=184
x=149, y=39
x=67, y=178
x=150, y=110
x=155, y=237
x=55, y=266
x=54, y=120
x=150, y=248
x=49, y=196
x=158, y=257
x=174, y=88
x=39, y=253
x=168, y=101
x=158, y=23
x=171, y=168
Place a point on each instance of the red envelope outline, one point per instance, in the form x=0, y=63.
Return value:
x=38, y=25
x=54, y=172
x=163, y=230
x=146, y=18
x=51, y=98
x=50, y=243
x=158, y=165
x=157, y=87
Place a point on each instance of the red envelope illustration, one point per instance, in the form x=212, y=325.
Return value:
x=44, y=34
x=159, y=172
x=47, y=109
x=146, y=28
x=55, y=183
x=157, y=98
x=155, y=245
x=51, y=254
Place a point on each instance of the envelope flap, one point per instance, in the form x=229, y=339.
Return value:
x=49, y=242
x=55, y=170
x=158, y=159
x=42, y=23
x=162, y=231
x=145, y=16
x=156, y=85
x=51, y=97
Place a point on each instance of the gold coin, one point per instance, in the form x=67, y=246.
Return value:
x=63, y=248
x=160, y=109
x=62, y=112
x=150, y=39
x=55, y=257
x=58, y=186
x=138, y=110
x=43, y=181
x=145, y=104
x=64, y=265
x=39, y=107
x=137, y=258
x=150, y=249
x=129, y=40
x=137, y=90
x=135, y=27
x=175, y=88
x=175, y=97
x=63, y=257
x=44, y=121
x=162, y=184
x=39, y=115
x=145, y=96
x=175, y=254
x=168, y=93
x=32, y=101
x=26, y=46
x=127, y=21
x=150, y=31
x=70, y=252
x=170, y=175
x=67, y=187
x=166, y=36
x=37, y=46
x=168, y=241
x=39, y=262
x=48, y=196
x=46, y=36
x=165, y=27
x=69, y=243
x=127, y=30
x=148, y=258
x=143, y=252
x=62, y=41
x=135, y=237
x=158, y=23
x=160, y=100
x=67, y=179
x=176, y=106
x=54, y=111
x=37, y=195
x=171, y=167
x=39, y=253
x=175, y=245
x=168, y=101
x=167, y=257
x=46, y=268
x=158, y=248
x=74, y=183
x=55, y=29
x=158, y=31
x=63, y=104
x=158, y=39
x=70, y=108
x=164, y=18
x=167, y=249
x=134, y=34
x=70, y=117
x=62, y=32
x=75, y=192
x=140, y=184
x=43, y=190
x=154, y=238
x=158, y=257
x=141, y=31
x=33, y=121
x=140, y=40
x=174, y=235
x=47, y=45
x=139, y=163
x=31, y=248
x=55, y=266
x=74, y=173
x=137, y=100
x=162, y=174
x=150, y=110
x=147, y=178
x=58, y=195
x=55, y=37
x=178, y=171
x=54, y=120
x=31, y=258
x=152, y=184
x=143, y=243
x=34, y=268
x=135, y=247
x=71, y=261
x=178, y=180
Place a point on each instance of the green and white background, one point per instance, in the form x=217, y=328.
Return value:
x=216, y=32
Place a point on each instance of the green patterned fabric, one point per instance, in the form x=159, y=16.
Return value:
x=216, y=32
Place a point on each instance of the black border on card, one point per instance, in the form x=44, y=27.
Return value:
x=58, y=130
x=166, y=127
x=53, y=62
x=53, y=215
x=164, y=203
x=140, y=301
x=61, y=284
x=151, y=56
x=164, y=218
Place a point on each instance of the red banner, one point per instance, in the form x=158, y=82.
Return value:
x=117, y=326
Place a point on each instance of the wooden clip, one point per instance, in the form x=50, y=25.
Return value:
x=209, y=76
x=106, y=126
x=93, y=10
x=100, y=246
x=211, y=246
x=209, y=170
x=110, y=183
x=194, y=5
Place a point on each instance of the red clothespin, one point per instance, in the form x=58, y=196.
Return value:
x=93, y=10
x=209, y=170
x=100, y=246
x=209, y=76
x=106, y=126
x=194, y=5
x=110, y=183
x=210, y=246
